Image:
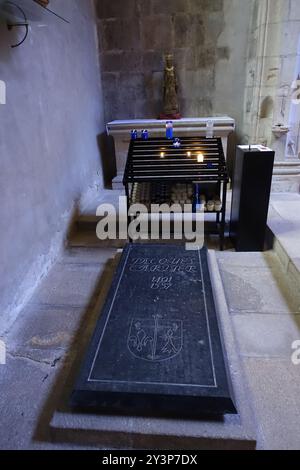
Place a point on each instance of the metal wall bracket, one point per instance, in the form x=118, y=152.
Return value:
x=24, y=24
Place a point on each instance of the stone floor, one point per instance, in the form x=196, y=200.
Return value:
x=42, y=344
x=266, y=320
x=54, y=328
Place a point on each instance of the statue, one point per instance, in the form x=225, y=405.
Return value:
x=171, y=107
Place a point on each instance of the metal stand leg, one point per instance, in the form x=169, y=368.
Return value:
x=222, y=228
x=128, y=216
x=219, y=194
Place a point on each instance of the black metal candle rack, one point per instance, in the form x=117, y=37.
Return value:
x=198, y=162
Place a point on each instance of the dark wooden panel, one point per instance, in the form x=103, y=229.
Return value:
x=250, y=198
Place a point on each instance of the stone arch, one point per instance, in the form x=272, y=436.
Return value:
x=266, y=107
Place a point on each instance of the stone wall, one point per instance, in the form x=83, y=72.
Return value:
x=209, y=41
x=285, y=113
x=48, y=142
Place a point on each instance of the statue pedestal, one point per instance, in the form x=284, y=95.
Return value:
x=120, y=130
x=170, y=117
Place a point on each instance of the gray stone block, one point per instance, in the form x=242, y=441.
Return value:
x=131, y=86
x=260, y=288
x=189, y=30
x=89, y=239
x=206, y=57
x=121, y=93
x=109, y=84
x=188, y=107
x=168, y=7
x=196, y=107
x=252, y=51
x=24, y=388
x=147, y=109
x=204, y=107
x=214, y=25
x=153, y=61
x=69, y=286
x=119, y=34
x=196, y=85
x=295, y=10
x=44, y=334
x=157, y=33
x=275, y=390
x=266, y=335
x=124, y=108
x=240, y=260
x=143, y=7
x=293, y=272
x=197, y=6
x=185, y=58
x=121, y=61
x=88, y=256
x=112, y=109
x=223, y=53
x=115, y=9
x=154, y=86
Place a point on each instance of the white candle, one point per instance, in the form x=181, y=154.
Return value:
x=200, y=158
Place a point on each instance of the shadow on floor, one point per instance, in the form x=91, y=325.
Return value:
x=66, y=376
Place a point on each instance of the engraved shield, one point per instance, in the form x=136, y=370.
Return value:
x=155, y=339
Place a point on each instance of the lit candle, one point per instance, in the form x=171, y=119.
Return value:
x=162, y=154
x=200, y=158
x=189, y=154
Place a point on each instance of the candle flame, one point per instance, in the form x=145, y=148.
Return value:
x=162, y=154
x=189, y=154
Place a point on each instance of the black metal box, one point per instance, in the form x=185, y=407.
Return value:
x=251, y=196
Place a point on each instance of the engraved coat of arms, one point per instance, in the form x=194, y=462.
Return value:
x=155, y=339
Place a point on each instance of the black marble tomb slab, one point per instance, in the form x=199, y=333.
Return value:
x=156, y=349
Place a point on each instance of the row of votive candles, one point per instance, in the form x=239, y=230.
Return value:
x=179, y=193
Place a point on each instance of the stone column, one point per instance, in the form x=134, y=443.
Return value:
x=272, y=59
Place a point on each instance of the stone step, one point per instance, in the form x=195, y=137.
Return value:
x=90, y=221
x=286, y=183
x=289, y=170
x=84, y=233
x=286, y=164
x=87, y=238
x=284, y=226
